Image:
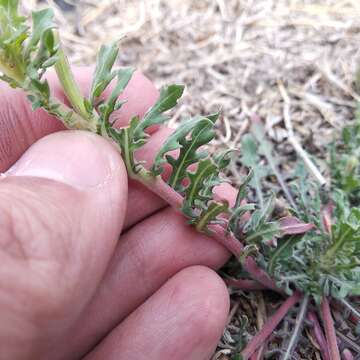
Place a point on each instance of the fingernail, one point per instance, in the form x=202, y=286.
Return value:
x=76, y=158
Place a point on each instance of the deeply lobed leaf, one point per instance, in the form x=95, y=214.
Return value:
x=169, y=96
x=103, y=70
x=189, y=138
x=132, y=137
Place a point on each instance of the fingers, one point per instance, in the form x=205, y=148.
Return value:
x=182, y=320
x=62, y=206
x=146, y=256
x=20, y=126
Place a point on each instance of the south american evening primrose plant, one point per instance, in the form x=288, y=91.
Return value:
x=310, y=256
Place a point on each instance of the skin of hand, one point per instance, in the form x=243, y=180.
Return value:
x=92, y=265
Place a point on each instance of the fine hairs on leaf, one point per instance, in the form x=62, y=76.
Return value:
x=310, y=253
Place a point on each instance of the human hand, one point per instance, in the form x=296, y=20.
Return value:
x=69, y=287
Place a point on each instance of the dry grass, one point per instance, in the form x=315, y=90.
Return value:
x=233, y=55
x=274, y=58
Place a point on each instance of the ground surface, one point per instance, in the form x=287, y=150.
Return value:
x=244, y=56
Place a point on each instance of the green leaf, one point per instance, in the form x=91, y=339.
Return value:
x=251, y=159
x=223, y=159
x=169, y=96
x=235, y=218
x=188, y=137
x=259, y=228
x=210, y=215
x=262, y=215
x=241, y=195
x=103, y=71
x=283, y=251
x=266, y=149
x=123, y=77
x=205, y=169
x=263, y=233
x=13, y=33
x=42, y=22
x=50, y=62
x=133, y=136
x=10, y=20
x=344, y=250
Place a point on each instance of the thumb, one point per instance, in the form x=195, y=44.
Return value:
x=61, y=210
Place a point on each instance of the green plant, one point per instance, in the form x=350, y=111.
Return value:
x=312, y=253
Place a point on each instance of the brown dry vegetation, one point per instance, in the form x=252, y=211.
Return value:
x=279, y=59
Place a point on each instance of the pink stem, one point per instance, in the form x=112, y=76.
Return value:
x=254, y=356
x=258, y=354
x=347, y=355
x=259, y=274
x=249, y=264
x=162, y=189
x=270, y=326
x=319, y=335
x=244, y=284
x=329, y=330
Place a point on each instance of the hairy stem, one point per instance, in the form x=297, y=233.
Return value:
x=270, y=326
x=298, y=327
x=329, y=330
x=319, y=335
x=65, y=114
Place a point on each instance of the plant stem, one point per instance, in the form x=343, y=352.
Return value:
x=217, y=232
x=244, y=284
x=259, y=274
x=67, y=116
x=270, y=326
x=319, y=335
x=261, y=318
x=329, y=330
x=71, y=89
x=347, y=355
x=298, y=327
x=160, y=188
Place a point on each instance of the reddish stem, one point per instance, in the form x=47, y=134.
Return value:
x=270, y=326
x=259, y=274
x=162, y=189
x=347, y=355
x=244, y=284
x=329, y=330
x=249, y=264
x=319, y=335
